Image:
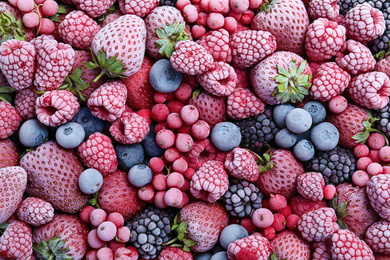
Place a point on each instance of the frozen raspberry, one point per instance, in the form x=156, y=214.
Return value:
x=56, y=107
x=320, y=251
x=9, y=119
x=41, y=39
x=209, y=182
x=311, y=186
x=25, y=103
x=176, y=253
x=130, y=128
x=241, y=164
x=98, y=152
x=217, y=43
x=377, y=237
x=243, y=103
x=139, y=8
x=203, y=151
x=318, y=225
x=346, y=245
x=35, y=211
x=328, y=9
x=379, y=194
x=254, y=246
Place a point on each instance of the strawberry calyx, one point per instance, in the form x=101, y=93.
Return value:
x=170, y=35
x=75, y=84
x=340, y=210
x=293, y=84
x=266, y=7
x=264, y=161
x=52, y=249
x=111, y=67
x=181, y=240
x=5, y=93
x=10, y=28
x=361, y=138
x=3, y=226
x=382, y=54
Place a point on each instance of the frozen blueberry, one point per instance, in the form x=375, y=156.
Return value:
x=304, y=150
x=89, y=122
x=298, y=120
x=129, y=155
x=226, y=136
x=151, y=147
x=285, y=138
x=222, y=255
x=203, y=256
x=70, y=135
x=90, y=181
x=33, y=133
x=140, y=175
x=231, y=233
x=280, y=112
x=324, y=136
x=163, y=77
x=317, y=111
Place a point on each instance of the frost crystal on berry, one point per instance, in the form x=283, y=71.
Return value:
x=241, y=164
x=130, y=128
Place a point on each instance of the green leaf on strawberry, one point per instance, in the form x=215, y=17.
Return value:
x=361, y=138
x=170, y=35
x=5, y=93
x=75, y=84
x=266, y=7
x=10, y=28
x=180, y=229
x=53, y=249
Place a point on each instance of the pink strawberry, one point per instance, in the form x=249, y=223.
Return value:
x=346, y=245
x=93, y=8
x=17, y=63
x=25, y=102
x=16, y=241
x=52, y=176
x=253, y=247
x=177, y=253
x=13, y=181
x=280, y=178
x=311, y=186
x=130, y=128
x=9, y=153
x=204, y=222
x=35, y=211
x=78, y=30
x=288, y=245
x=118, y=195
x=241, y=164
x=140, y=8
x=64, y=235
x=98, y=152
x=9, y=120
x=209, y=182
x=56, y=107
x=300, y=205
x=217, y=43
x=286, y=20
x=220, y=80
x=243, y=103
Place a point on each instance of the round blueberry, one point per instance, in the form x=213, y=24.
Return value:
x=70, y=135
x=222, y=255
x=231, y=233
x=304, y=150
x=317, y=111
x=285, y=138
x=89, y=122
x=226, y=136
x=324, y=136
x=129, y=155
x=163, y=77
x=280, y=112
x=203, y=256
x=33, y=133
x=151, y=147
x=90, y=181
x=298, y=120
x=140, y=175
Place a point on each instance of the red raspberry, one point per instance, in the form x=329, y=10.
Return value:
x=219, y=81
x=311, y=186
x=9, y=119
x=346, y=245
x=56, y=107
x=324, y=39
x=370, y=90
x=98, y=152
x=364, y=23
x=54, y=61
x=320, y=251
x=355, y=58
x=35, y=211
x=139, y=8
x=209, y=182
x=241, y=164
x=253, y=247
x=17, y=62
x=318, y=225
x=329, y=81
x=41, y=39
x=217, y=43
x=377, y=238
x=108, y=101
x=25, y=102
x=328, y=9
x=176, y=253
x=379, y=194
x=203, y=151
x=243, y=103
x=130, y=128
x=16, y=241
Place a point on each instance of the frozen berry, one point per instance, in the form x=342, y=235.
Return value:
x=360, y=178
x=106, y=231
x=262, y=218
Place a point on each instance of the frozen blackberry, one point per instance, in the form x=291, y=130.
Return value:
x=382, y=42
x=168, y=2
x=149, y=230
x=383, y=122
x=336, y=165
x=242, y=198
x=257, y=132
x=346, y=5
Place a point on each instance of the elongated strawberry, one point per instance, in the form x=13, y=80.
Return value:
x=289, y=245
x=9, y=153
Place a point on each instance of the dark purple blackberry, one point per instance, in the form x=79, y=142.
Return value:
x=382, y=42
x=257, y=132
x=149, y=230
x=168, y=2
x=383, y=123
x=242, y=198
x=336, y=165
x=346, y=5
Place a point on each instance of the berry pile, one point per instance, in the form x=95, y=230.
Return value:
x=194, y=129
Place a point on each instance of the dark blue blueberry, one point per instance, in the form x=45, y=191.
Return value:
x=317, y=111
x=285, y=138
x=231, y=233
x=163, y=77
x=298, y=120
x=222, y=255
x=226, y=136
x=89, y=122
x=140, y=175
x=129, y=155
x=280, y=112
x=325, y=136
x=33, y=133
x=203, y=256
x=151, y=147
x=304, y=150
x=70, y=135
